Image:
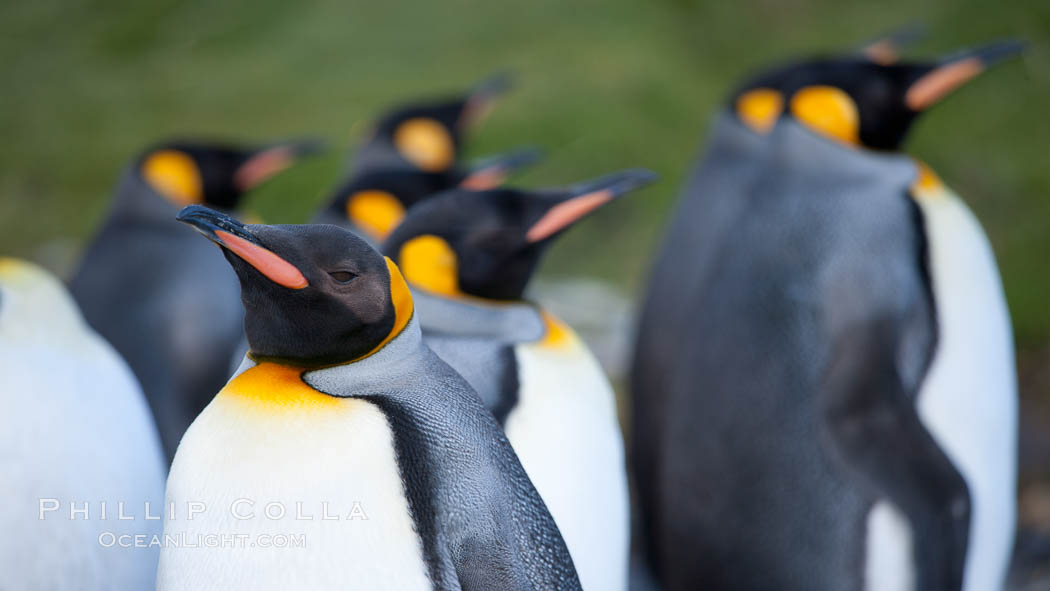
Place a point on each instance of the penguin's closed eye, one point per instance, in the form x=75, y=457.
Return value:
x=342, y=276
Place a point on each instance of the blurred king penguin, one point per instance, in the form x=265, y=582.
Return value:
x=164, y=299
x=415, y=151
x=469, y=256
x=79, y=451
x=837, y=409
x=341, y=413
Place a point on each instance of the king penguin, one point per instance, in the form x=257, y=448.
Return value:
x=707, y=207
x=427, y=135
x=469, y=256
x=152, y=289
x=81, y=460
x=372, y=202
x=841, y=412
x=343, y=428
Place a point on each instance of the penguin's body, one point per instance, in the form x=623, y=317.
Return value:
x=558, y=411
x=76, y=433
x=714, y=196
x=858, y=422
x=427, y=490
x=159, y=295
x=532, y=372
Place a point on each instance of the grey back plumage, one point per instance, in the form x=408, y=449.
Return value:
x=829, y=243
x=165, y=300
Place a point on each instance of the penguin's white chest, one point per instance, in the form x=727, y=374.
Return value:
x=968, y=401
x=969, y=398
x=307, y=492
x=565, y=432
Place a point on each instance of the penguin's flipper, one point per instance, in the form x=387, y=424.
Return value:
x=874, y=427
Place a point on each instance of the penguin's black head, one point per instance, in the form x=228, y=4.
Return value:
x=427, y=135
x=188, y=172
x=868, y=100
x=488, y=243
x=313, y=294
x=374, y=202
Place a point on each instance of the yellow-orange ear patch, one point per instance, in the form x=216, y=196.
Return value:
x=425, y=143
x=401, y=298
x=759, y=108
x=375, y=212
x=829, y=111
x=175, y=175
x=429, y=263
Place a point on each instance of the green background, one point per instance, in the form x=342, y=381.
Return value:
x=602, y=84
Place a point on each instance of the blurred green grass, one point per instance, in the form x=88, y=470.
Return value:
x=603, y=84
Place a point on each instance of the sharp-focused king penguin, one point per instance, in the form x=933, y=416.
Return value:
x=840, y=410
x=161, y=296
x=427, y=135
x=81, y=460
x=373, y=201
x=343, y=428
x=469, y=257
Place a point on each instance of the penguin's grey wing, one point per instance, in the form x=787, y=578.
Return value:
x=873, y=426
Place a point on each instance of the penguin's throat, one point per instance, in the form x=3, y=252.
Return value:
x=271, y=386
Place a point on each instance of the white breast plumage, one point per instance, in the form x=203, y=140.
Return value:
x=969, y=398
x=565, y=431
x=271, y=447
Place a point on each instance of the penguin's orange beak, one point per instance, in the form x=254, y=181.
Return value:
x=585, y=198
x=268, y=161
x=236, y=238
x=957, y=70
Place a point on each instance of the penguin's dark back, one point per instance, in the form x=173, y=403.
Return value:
x=165, y=299
x=830, y=239
x=482, y=523
x=714, y=196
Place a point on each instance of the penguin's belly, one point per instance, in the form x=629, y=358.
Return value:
x=565, y=432
x=308, y=465
x=969, y=398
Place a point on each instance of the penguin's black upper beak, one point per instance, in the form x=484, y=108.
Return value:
x=236, y=238
x=569, y=207
x=209, y=222
x=273, y=158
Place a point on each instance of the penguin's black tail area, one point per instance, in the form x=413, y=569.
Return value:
x=1030, y=565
